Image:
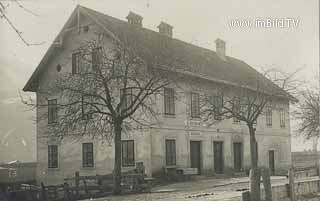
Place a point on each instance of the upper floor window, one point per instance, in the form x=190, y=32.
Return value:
x=53, y=156
x=76, y=62
x=127, y=98
x=269, y=116
x=169, y=106
x=87, y=155
x=282, y=118
x=195, y=105
x=85, y=105
x=217, y=106
x=127, y=153
x=236, y=109
x=96, y=57
x=170, y=152
x=52, y=111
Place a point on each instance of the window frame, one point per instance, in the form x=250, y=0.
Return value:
x=269, y=116
x=75, y=62
x=217, y=101
x=87, y=152
x=282, y=118
x=96, y=57
x=53, y=156
x=85, y=115
x=237, y=106
x=171, y=152
x=52, y=111
x=168, y=101
x=128, y=99
x=195, y=109
x=126, y=160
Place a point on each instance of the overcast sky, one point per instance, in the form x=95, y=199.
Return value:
x=194, y=21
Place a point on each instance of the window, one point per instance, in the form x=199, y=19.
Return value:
x=217, y=106
x=75, y=62
x=96, y=57
x=236, y=109
x=85, y=105
x=87, y=155
x=269, y=116
x=170, y=152
x=169, y=106
x=195, y=108
x=52, y=156
x=52, y=111
x=282, y=118
x=127, y=99
x=127, y=153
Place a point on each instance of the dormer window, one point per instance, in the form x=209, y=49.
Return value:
x=134, y=19
x=165, y=29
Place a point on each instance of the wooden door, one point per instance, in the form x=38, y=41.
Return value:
x=271, y=162
x=218, y=157
x=237, y=156
x=195, y=155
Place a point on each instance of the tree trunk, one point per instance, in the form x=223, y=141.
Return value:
x=117, y=158
x=255, y=172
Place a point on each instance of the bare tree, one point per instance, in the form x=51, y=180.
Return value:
x=3, y=14
x=307, y=113
x=246, y=103
x=110, y=88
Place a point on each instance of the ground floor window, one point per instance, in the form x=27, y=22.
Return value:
x=53, y=156
x=170, y=152
x=218, y=157
x=237, y=156
x=127, y=153
x=87, y=155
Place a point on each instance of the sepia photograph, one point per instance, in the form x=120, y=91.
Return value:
x=145, y=100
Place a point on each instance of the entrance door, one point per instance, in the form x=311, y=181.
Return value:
x=271, y=162
x=237, y=156
x=195, y=155
x=218, y=157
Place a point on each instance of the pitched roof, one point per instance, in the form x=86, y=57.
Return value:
x=190, y=58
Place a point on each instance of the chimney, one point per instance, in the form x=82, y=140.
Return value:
x=134, y=19
x=165, y=29
x=221, y=48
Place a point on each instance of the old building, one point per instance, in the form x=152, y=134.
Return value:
x=181, y=139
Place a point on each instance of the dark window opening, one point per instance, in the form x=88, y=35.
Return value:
x=76, y=62
x=169, y=105
x=127, y=158
x=236, y=109
x=170, y=152
x=96, y=57
x=195, y=108
x=127, y=98
x=269, y=116
x=85, y=108
x=52, y=111
x=217, y=106
x=282, y=118
x=87, y=155
x=52, y=156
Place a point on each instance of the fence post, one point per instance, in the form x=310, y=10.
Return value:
x=291, y=184
x=66, y=191
x=246, y=196
x=267, y=184
x=77, y=178
x=43, y=192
